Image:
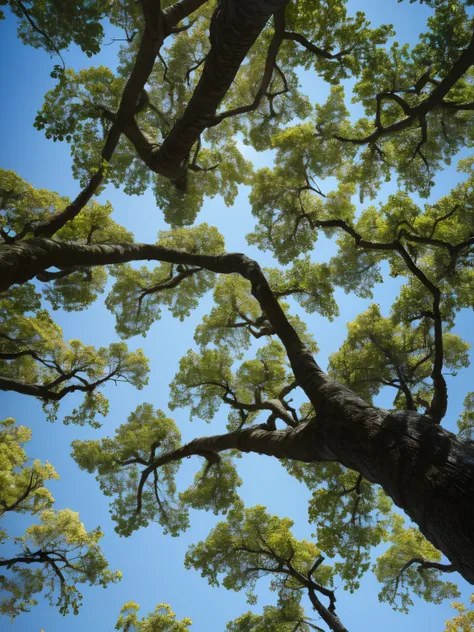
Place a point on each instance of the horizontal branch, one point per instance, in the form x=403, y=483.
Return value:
x=47, y=392
x=282, y=444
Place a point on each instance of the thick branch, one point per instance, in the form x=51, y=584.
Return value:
x=234, y=28
x=425, y=469
x=267, y=73
x=328, y=617
x=281, y=444
x=418, y=112
x=46, y=392
x=158, y=26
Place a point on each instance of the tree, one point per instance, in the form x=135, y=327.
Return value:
x=193, y=76
x=463, y=622
x=51, y=556
x=162, y=620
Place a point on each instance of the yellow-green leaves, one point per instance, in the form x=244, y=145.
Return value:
x=201, y=382
x=163, y=619
x=351, y=519
x=236, y=313
x=236, y=319
x=252, y=544
x=216, y=171
x=54, y=554
x=379, y=352
x=80, y=111
x=402, y=571
x=119, y=461
x=94, y=225
x=139, y=294
x=24, y=208
x=205, y=380
x=308, y=283
x=287, y=202
x=466, y=421
x=214, y=487
x=464, y=620
x=286, y=617
x=143, y=493
x=21, y=485
x=22, y=204
x=68, y=555
x=36, y=361
x=329, y=26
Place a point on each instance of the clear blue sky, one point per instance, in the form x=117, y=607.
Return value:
x=151, y=563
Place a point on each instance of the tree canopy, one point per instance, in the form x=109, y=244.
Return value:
x=334, y=133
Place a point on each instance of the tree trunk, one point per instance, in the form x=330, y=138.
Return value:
x=234, y=28
x=426, y=470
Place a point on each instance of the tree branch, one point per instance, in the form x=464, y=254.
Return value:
x=418, y=112
x=158, y=25
x=312, y=48
x=270, y=64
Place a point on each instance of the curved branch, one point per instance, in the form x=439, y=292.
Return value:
x=418, y=112
x=326, y=615
x=159, y=24
x=422, y=565
x=29, y=488
x=43, y=34
x=282, y=444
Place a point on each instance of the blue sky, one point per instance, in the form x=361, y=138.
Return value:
x=152, y=563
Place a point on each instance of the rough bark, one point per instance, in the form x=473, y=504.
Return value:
x=328, y=617
x=234, y=28
x=426, y=470
x=158, y=25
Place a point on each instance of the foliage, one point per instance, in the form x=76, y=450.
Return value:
x=401, y=581
x=137, y=295
x=146, y=434
x=381, y=352
x=67, y=553
x=351, y=516
x=464, y=621
x=34, y=359
x=466, y=421
x=121, y=464
x=252, y=544
x=22, y=486
x=199, y=87
x=161, y=620
x=281, y=618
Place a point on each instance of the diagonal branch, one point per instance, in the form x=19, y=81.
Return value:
x=234, y=29
x=418, y=112
x=43, y=34
x=158, y=25
x=34, y=479
x=270, y=65
x=312, y=48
